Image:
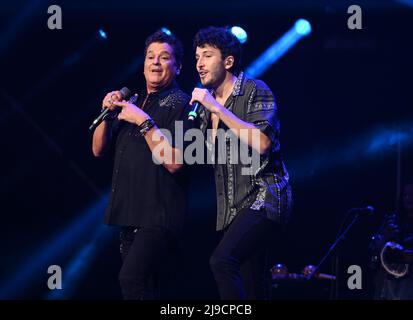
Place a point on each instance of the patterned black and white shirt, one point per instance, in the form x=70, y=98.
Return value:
x=267, y=186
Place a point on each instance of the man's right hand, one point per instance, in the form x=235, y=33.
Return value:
x=109, y=98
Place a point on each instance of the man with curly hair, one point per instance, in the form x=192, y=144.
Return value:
x=251, y=204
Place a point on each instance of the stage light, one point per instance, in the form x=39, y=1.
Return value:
x=240, y=33
x=102, y=34
x=166, y=31
x=302, y=27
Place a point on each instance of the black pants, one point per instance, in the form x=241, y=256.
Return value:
x=143, y=251
x=240, y=262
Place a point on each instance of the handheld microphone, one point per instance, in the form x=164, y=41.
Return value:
x=193, y=114
x=125, y=93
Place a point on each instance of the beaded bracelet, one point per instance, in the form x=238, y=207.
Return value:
x=145, y=126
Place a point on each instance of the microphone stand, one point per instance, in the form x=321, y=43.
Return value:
x=340, y=237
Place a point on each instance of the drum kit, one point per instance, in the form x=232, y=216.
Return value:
x=395, y=259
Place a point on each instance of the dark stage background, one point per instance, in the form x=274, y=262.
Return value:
x=345, y=101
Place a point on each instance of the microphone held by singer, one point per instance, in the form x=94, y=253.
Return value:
x=125, y=94
x=193, y=114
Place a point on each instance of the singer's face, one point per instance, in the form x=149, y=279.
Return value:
x=210, y=66
x=160, y=67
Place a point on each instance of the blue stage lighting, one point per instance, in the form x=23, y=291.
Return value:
x=102, y=34
x=387, y=139
x=55, y=249
x=239, y=33
x=166, y=31
x=302, y=27
x=299, y=30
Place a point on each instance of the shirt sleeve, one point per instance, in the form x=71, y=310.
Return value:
x=115, y=128
x=262, y=111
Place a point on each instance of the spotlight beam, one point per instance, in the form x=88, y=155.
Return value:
x=300, y=29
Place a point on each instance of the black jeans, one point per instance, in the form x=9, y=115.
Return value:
x=143, y=251
x=240, y=263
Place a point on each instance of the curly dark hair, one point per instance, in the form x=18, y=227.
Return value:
x=161, y=37
x=222, y=39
